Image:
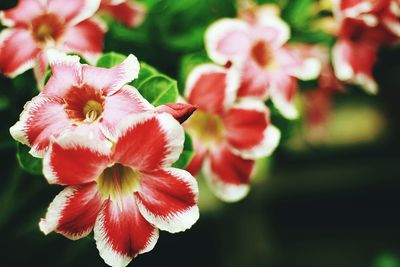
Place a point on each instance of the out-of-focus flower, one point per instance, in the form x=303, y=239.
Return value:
x=37, y=25
x=127, y=12
x=364, y=27
x=125, y=193
x=86, y=99
x=227, y=135
x=257, y=45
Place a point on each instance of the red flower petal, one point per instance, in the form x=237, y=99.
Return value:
x=180, y=111
x=42, y=118
x=168, y=199
x=75, y=159
x=200, y=153
x=147, y=141
x=211, y=88
x=73, y=211
x=113, y=79
x=129, y=13
x=121, y=232
x=85, y=38
x=75, y=11
x=249, y=131
x=22, y=14
x=228, y=175
x=18, y=51
x=283, y=91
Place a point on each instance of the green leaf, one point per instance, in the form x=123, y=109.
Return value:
x=27, y=162
x=109, y=60
x=159, y=89
x=145, y=72
x=187, y=153
x=4, y=103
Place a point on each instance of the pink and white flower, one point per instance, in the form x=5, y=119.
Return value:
x=37, y=25
x=125, y=192
x=85, y=99
x=227, y=135
x=127, y=12
x=268, y=67
x=364, y=26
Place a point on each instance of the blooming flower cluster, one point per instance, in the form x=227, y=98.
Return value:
x=364, y=26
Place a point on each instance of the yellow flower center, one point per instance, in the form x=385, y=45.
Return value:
x=206, y=127
x=118, y=180
x=92, y=111
x=47, y=28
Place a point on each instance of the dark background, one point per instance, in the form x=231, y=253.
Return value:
x=320, y=206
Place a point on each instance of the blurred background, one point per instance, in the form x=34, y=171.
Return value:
x=328, y=197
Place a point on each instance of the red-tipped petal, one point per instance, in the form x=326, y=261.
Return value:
x=249, y=131
x=42, y=118
x=200, y=153
x=180, y=111
x=148, y=141
x=74, y=11
x=73, y=211
x=22, y=14
x=129, y=13
x=283, y=91
x=86, y=39
x=168, y=199
x=18, y=51
x=75, y=159
x=212, y=88
x=228, y=175
x=121, y=232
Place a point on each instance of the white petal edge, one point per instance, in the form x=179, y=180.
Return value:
x=343, y=70
x=287, y=109
x=310, y=69
x=277, y=23
x=88, y=10
x=215, y=32
x=177, y=222
x=367, y=83
x=226, y=192
x=110, y=256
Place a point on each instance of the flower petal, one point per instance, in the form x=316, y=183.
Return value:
x=228, y=40
x=200, y=153
x=180, y=111
x=121, y=232
x=75, y=159
x=113, y=79
x=148, y=141
x=168, y=199
x=40, y=69
x=255, y=82
x=42, y=118
x=73, y=211
x=228, y=175
x=283, y=91
x=75, y=11
x=86, y=39
x=123, y=103
x=22, y=14
x=249, y=131
x=212, y=88
x=273, y=30
x=129, y=13
x=65, y=72
x=18, y=51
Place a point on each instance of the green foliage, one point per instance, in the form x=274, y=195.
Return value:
x=146, y=71
x=110, y=59
x=159, y=89
x=386, y=260
x=27, y=162
x=187, y=153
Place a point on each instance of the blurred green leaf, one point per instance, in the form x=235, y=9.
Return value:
x=110, y=59
x=4, y=103
x=27, y=162
x=188, y=62
x=159, y=89
x=145, y=72
x=386, y=260
x=187, y=153
x=298, y=13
